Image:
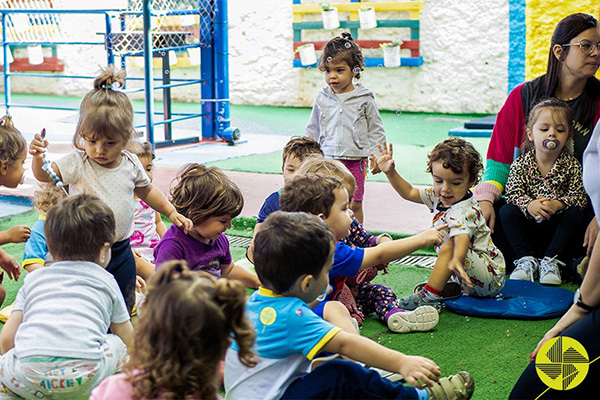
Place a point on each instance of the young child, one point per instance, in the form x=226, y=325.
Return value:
x=13, y=151
x=101, y=166
x=54, y=344
x=295, y=152
x=545, y=196
x=148, y=227
x=36, y=253
x=211, y=200
x=345, y=120
x=189, y=310
x=359, y=295
x=326, y=197
x=467, y=251
x=293, y=254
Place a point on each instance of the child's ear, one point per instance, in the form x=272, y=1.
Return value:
x=4, y=166
x=305, y=283
x=322, y=216
x=528, y=133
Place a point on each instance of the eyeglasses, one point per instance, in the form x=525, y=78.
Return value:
x=586, y=46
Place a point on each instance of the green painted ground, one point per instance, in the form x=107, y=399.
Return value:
x=493, y=351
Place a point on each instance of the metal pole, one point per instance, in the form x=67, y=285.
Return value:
x=221, y=79
x=207, y=75
x=110, y=57
x=148, y=72
x=5, y=64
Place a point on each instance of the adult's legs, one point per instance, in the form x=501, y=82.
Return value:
x=586, y=331
x=341, y=379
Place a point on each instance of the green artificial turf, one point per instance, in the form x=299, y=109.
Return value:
x=494, y=351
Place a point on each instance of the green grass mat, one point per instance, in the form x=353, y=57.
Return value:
x=495, y=352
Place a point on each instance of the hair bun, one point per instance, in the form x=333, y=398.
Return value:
x=347, y=36
x=110, y=78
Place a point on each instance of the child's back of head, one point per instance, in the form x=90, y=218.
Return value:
x=289, y=245
x=13, y=151
x=77, y=228
x=311, y=193
x=47, y=196
x=183, y=333
x=201, y=192
x=105, y=111
x=330, y=168
x=140, y=149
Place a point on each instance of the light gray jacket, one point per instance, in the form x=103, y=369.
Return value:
x=350, y=129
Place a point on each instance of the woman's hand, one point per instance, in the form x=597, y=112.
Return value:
x=487, y=208
x=591, y=233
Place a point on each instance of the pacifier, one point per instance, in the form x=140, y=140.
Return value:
x=550, y=144
x=323, y=295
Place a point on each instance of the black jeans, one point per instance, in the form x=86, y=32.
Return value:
x=587, y=332
x=122, y=267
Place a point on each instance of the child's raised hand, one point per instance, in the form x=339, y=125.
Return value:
x=538, y=210
x=417, y=369
x=373, y=164
x=385, y=162
x=38, y=144
x=181, y=221
x=19, y=234
x=10, y=265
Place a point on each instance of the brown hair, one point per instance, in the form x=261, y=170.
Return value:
x=12, y=143
x=77, y=228
x=331, y=168
x=557, y=107
x=201, y=192
x=297, y=241
x=140, y=149
x=456, y=154
x=105, y=111
x=311, y=193
x=181, y=335
x=343, y=48
x=47, y=196
x=301, y=147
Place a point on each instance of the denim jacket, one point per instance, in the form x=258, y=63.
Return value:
x=348, y=129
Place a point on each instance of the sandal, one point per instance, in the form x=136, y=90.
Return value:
x=454, y=387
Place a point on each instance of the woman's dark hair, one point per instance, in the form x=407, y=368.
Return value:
x=568, y=28
x=343, y=48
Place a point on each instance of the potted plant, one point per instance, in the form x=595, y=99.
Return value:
x=329, y=16
x=308, y=56
x=367, y=18
x=391, y=53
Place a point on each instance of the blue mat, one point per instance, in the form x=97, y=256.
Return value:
x=518, y=300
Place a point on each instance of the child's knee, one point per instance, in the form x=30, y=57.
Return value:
x=335, y=309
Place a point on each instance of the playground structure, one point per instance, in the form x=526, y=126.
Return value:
x=161, y=29
x=355, y=22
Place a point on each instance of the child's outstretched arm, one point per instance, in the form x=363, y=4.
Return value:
x=390, y=251
x=233, y=271
x=457, y=262
x=7, y=336
x=155, y=199
x=16, y=234
x=161, y=228
x=362, y=349
x=124, y=330
x=386, y=163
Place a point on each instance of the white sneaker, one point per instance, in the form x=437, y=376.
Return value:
x=550, y=271
x=421, y=319
x=526, y=269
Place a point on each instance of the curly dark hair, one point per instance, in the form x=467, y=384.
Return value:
x=343, y=48
x=187, y=321
x=456, y=154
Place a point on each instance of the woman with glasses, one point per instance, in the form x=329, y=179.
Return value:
x=573, y=60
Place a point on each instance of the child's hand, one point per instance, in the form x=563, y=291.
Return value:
x=457, y=268
x=374, y=166
x=538, y=210
x=555, y=205
x=417, y=369
x=385, y=162
x=433, y=236
x=19, y=234
x=37, y=146
x=181, y=221
x=10, y=265
x=140, y=284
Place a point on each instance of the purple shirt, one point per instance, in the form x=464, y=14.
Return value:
x=176, y=245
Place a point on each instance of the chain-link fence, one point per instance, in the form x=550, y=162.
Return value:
x=36, y=27
x=174, y=23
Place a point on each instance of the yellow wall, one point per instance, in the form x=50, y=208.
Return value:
x=541, y=16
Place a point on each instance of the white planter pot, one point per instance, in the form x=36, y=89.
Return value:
x=367, y=18
x=391, y=56
x=194, y=55
x=308, y=56
x=9, y=56
x=330, y=18
x=35, y=54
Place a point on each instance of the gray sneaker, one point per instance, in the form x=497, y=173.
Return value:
x=415, y=301
x=526, y=269
x=550, y=271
